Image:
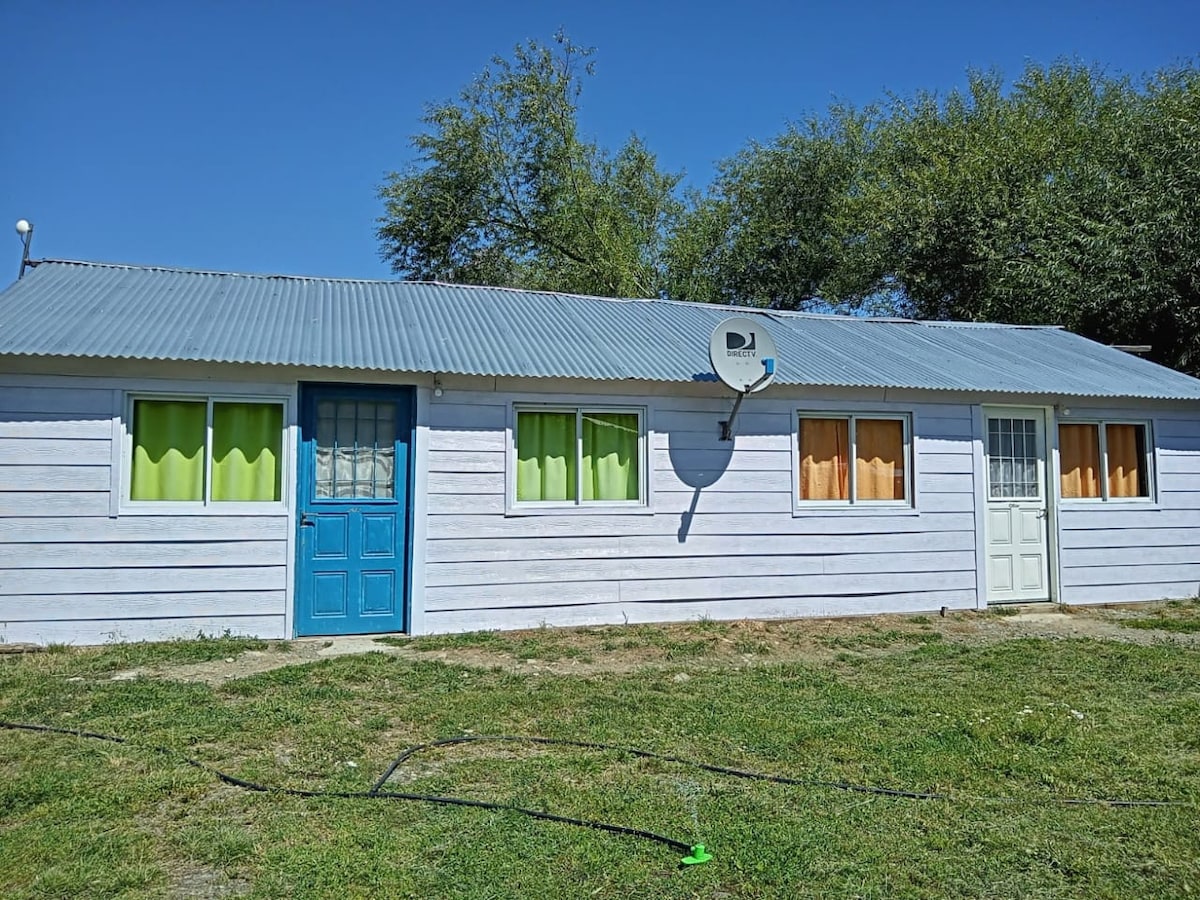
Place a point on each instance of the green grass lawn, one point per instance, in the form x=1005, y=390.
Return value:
x=1026, y=719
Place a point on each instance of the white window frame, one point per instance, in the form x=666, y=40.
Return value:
x=909, y=503
x=1148, y=460
x=578, y=506
x=206, y=506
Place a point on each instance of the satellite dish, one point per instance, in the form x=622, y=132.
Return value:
x=743, y=355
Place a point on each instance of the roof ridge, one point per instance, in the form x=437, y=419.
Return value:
x=739, y=310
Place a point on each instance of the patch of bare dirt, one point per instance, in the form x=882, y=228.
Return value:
x=702, y=644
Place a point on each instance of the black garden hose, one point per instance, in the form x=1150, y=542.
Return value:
x=378, y=793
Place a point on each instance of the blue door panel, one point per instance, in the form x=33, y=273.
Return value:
x=352, y=572
x=378, y=593
x=379, y=535
x=329, y=595
x=331, y=536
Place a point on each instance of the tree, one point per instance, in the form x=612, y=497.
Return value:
x=505, y=191
x=1067, y=200
x=1071, y=198
x=766, y=232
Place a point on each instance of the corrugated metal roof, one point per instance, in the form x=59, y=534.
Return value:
x=80, y=309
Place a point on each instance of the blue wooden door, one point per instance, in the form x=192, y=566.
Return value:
x=353, y=546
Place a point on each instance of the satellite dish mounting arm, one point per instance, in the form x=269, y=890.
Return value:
x=727, y=424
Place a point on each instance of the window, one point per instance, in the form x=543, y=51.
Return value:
x=879, y=446
x=579, y=456
x=1014, y=457
x=204, y=450
x=356, y=449
x=1104, y=460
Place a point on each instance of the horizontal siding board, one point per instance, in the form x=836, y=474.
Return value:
x=1134, y=574
x=143, y=528
x=667, y=460
x=39, y=607
x=749, y=421
x=709, y=501
x=54, y=427
x=709, y=438
x=1129, y=593
x=142, y=554
x=1132, y=516
x=465, y=482
x=573, y=549
x=486, y=526
x=120, y=581
x=682, y=501
x=54, y=451
x=948, y=427
x=1172, y=464
x=49, y=503
x=951, y=446
x=465, y=441
x=631, y=567
x=1134, y=539
x=1156, y=553
x=55, y=478
x=945, y=463
x=659, y=590
x=793, y=585
x=105, y=631
x=76, y=400
x=467, y=461
x=468, y=416
x=739, y=481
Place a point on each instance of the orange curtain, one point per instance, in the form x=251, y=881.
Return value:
x=824, y=459
x=1124, y=461
x=1079, y=460
x=879, y=459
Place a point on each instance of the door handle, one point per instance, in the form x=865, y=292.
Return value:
x=305, y=520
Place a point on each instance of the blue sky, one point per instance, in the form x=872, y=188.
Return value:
x=253, y=135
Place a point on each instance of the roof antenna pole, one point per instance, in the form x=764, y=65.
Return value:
x=25, y=233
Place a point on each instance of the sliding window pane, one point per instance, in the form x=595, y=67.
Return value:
x=879, y=459
x=168, y=450
x=824, y=459
x=1079, y=458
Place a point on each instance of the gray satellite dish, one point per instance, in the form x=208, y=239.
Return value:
x=743, y=355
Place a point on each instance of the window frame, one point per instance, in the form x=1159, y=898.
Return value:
x=1148, y=458
x=578, y=506
x=852, y=504
x=206, y=505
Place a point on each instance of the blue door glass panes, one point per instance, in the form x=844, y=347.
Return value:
x=356, y=449
x=352, y=576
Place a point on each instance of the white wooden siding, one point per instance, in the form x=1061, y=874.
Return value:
x=724, y=539
x=1118, y=552
x=71, y=573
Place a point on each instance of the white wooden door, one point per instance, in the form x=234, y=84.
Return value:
x=1018, y=567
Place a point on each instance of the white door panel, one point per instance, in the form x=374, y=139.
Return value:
x=1017, y=549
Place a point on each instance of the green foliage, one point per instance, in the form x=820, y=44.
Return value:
x=766, y=233
x=1069, y=197
x=506, y=192
x=1066, y=200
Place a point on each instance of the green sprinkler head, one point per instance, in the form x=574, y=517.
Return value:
x=697, y=855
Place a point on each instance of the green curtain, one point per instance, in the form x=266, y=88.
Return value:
x=247, y=441
x=610, y=456
x=545, y=456
x=168, y=450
